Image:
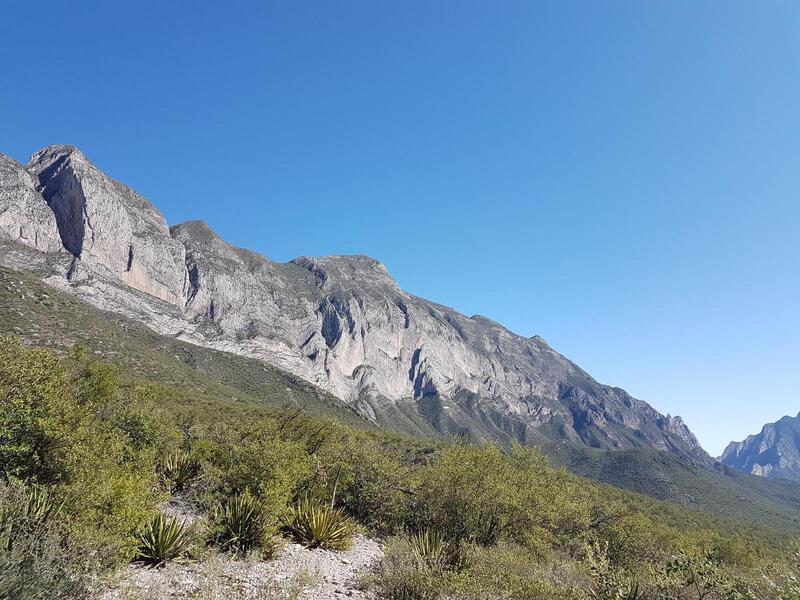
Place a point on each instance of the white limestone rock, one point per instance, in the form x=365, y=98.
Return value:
x=108, y=226
x=24, y=214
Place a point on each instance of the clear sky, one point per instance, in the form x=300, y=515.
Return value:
x=619, y=177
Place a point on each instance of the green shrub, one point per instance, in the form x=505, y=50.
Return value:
x=365, y=478
x=610, y=583
x=93, y=437
x=318, y=525
x=161, y=540
x=27, y=513
x=253, y=457
x=179, y=470
x=38, y=557
x=700, y=576
x=240, y=526
x=401, y=576
x=431, y=551
x=511, y=572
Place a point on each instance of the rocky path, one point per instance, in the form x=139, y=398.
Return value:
x=297, y=573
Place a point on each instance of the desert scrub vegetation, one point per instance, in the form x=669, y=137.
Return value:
x=240, y=526
x=89, y=455
x=316, y=524
x=179, y=470
x=162, y=539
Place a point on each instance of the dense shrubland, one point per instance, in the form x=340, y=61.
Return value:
x=88, y=457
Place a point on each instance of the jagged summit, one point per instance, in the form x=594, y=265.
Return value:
x=56, y=151
x=774, y=452
x=340, y=322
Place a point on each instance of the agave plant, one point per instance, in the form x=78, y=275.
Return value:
x=240, y=525
x=162, y=539
x=318, y=525
x=431, y=551
x=31, y=512
x=180, y=470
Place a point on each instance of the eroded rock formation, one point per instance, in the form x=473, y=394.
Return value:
x=340, y=322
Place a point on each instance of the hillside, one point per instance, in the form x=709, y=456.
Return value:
x=719, y=490
x=198, y=380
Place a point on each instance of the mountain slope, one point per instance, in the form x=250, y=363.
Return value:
x=774, y=452
x=720, y=490
x=341, y=323
x=192, y=379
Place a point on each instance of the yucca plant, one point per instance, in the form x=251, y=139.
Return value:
x=431, y=551
x=318, y=525
x=179, y=470
x=41, y=505
x=240, y=526
x=31, y=512
x=162, y=539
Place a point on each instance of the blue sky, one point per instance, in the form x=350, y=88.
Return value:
x=619, y=177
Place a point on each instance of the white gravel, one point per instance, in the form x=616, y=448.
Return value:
x=297, y=573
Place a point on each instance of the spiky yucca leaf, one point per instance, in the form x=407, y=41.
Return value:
x=431, y=551
x=179, y=470
x=241, y=525
x=428, y=549
x=32, y=512
x=162, y=539
x=318, y=525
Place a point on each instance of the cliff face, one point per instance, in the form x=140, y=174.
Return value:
x=24, y=215
x=775, y=452
x=108, y=226
x=340, y=322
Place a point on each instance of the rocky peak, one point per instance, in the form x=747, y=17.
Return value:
x=773, y=452
x=353, y=271
x=108, y=226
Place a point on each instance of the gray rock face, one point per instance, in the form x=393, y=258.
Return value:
x=340, y=322
x=344, y=324
x=108, y=226
x=775, y=452
x=24, y=215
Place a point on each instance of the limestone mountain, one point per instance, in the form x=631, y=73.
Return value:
x=774, y=452
x=339, y=322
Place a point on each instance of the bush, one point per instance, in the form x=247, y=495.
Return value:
x=161, y=540
x=365, y=478
x=431, y=551
x=240, y=526
x=253, y=458
x=90, y=435
x=610, y=583
x=401, y=576
x=38, y=557
x=179, y=470
x=318, y=525
x=510, y=572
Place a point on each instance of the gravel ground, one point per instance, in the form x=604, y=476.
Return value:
x=297, y=573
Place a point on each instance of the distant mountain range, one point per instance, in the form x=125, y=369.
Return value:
x=775, y=452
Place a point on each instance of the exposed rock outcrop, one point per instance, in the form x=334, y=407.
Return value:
x=24, y=214
x=774, y=452
x=340, y=322
x=108, y=226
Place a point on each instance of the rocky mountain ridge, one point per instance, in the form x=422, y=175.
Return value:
x=773, y=453
x=340, y=322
